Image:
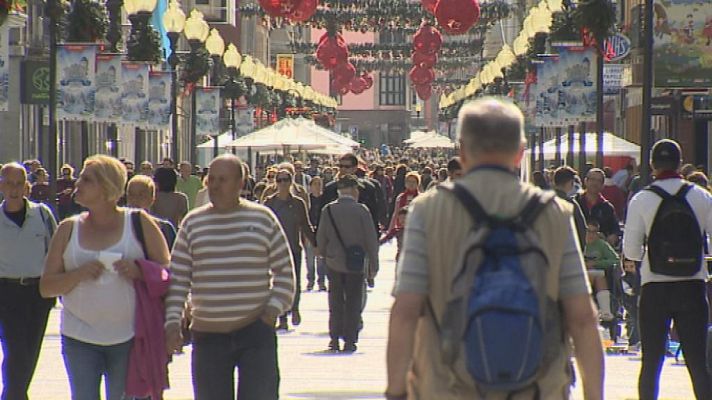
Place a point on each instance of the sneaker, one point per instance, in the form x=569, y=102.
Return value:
x=349, y=347
x=296, y=318
x=334, y=345
x=322, y=287
x=283, y=324
x=310, y=286
x=371, y=283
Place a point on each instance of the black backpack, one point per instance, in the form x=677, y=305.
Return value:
x=675, y=241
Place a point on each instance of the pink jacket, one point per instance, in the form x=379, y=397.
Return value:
x=148, y=362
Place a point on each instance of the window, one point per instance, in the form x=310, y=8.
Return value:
x=391, y=89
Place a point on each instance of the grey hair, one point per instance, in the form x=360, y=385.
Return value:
x=491, y=125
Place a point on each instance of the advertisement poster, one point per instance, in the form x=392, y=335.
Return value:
x=566, y=88
x=134, y=101
x=683, y=43
x=107, y=107
x=76, y=66
x=4, y=67
x=285, y=65
x=613, y=78
x=159, y=100
x=207, y=113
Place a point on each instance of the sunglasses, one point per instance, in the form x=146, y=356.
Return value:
x=283, y=180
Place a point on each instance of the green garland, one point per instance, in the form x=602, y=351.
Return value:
x=597, y=16
x=377, y=15
x=143, y=43
x=380, y=50
x=397, y=65
x=195, y=65
x=86, y=22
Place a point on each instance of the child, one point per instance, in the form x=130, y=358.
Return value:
x=396, y=231
x=599, y=257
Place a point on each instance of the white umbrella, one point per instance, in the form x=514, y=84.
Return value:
x=417, y=135
x=432, y=141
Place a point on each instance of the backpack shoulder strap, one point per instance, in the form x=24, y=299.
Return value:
x=659, y=191
x=138, y=231
x=336, y=229
x=686, y=187
x=535, y=205
x=473, y=207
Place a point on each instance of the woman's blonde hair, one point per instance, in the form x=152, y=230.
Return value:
x=413, y=175
x=110, y=175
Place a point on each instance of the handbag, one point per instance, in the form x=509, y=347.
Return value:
x=355, y=254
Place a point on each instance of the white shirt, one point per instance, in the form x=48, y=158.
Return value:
x=641, y=213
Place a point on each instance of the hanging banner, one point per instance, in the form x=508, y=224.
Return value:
x=76, y=66
x=107, y=107
x=683, y=43
x=134, y=101
x=159, y=100
x=566, y=88
x=207, y=100
x=4, y=67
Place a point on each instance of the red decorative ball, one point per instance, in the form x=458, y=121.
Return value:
x=427, y=40
x=424, y=91
x=344, y=73
x=357, y=85
x=457, y=16
x=304, y=10
x=421, y=76
x=279, y=8
x=332, y=51
x=429, y=5
x=368, y=79
x=425, y=60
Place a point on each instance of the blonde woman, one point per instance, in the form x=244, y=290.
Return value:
x=92, y=264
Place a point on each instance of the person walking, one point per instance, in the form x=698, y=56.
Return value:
x=347, y=225
x=316, y=267
x=595, y=206
x=233, y=257
x=564, y=179
x=92, y=265
x=169, y=204
x=188, y=184
x=291, y=211
x=665, y=229
x=65, y=193
x=491, y=134
x=141, y=194
x=26, y=229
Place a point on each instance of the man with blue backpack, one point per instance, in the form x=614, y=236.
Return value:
x=491, y=284
x=666, y=229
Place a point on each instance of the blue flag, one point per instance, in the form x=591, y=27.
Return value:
x=157, y=22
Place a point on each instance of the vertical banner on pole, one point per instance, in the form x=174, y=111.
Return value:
x=565, y=90
x=4, y=67
x=76, y=67
x=159, y=100
x=207, y=111
x=134, y=101
x=107, y=107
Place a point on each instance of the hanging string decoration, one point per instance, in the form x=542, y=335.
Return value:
x=427, y=41
x=279, y=8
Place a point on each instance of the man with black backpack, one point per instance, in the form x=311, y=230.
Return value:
x=491, y=281
x=665, y=229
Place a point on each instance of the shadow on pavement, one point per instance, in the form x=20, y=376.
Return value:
x=336, y=395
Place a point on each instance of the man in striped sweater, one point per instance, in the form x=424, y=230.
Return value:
x=233, y=258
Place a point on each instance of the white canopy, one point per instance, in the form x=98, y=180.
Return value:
x=223, y=140
x=417, y=135
x=297, y=134
x=430, y=140
x=612, y=146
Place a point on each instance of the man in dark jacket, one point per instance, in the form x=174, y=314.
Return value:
x=595, y=206
x=564, y=185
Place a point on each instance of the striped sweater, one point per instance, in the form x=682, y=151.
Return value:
x=235, y=265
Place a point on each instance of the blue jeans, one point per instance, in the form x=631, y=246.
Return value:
x=86, y=363
x=252, y=349
x=312, y=261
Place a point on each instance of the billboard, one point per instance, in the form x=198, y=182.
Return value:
x=683, y=43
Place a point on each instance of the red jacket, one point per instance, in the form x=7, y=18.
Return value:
x=148, y=361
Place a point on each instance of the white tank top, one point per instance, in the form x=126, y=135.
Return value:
x=100, y=311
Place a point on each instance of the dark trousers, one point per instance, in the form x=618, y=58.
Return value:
x=23, y=319
x=685, y=303
x=297, y=257
x=252, y=349
x=345, y=302
x=631, y=322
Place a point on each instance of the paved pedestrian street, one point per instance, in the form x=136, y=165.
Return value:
x=309, y=372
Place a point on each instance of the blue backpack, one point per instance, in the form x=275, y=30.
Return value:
x=497, y=319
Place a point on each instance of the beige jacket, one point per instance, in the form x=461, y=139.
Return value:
x=447, y=224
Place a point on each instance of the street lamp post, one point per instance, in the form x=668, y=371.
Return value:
x=216, y=47
x=113, y=9
x=232, y=60
x=174, y=21
x=645, y=124
x=196, y=31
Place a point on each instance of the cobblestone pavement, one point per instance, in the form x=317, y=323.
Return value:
x=308, y=372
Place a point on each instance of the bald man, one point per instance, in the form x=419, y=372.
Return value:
x=26, y=229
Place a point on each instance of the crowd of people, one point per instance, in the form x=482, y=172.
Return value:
x=146, y=261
